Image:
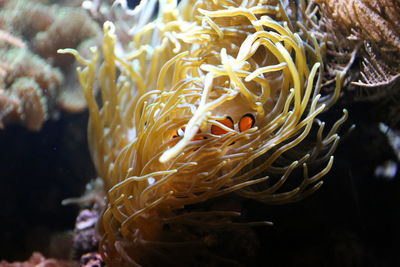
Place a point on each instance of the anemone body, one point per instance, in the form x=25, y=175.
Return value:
x=186, y=71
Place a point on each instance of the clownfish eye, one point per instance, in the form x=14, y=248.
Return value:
x=246, y=122
x=228, y=122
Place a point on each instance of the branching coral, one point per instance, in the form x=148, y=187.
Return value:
x=364, y=36
x=214, y=97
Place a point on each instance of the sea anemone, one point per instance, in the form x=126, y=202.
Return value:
x=213, y=97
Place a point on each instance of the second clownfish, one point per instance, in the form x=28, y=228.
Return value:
x=246, y=122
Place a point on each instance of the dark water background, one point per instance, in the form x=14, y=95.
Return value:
x=38, y=171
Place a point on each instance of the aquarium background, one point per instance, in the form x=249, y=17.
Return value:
x=38, y=171
x=353, y=220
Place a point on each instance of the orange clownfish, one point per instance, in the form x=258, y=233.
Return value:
x=246, y=122
x=181, y=132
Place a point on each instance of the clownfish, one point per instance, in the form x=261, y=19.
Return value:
x=246, y=122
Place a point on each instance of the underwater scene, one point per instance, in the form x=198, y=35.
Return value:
x=199, y=133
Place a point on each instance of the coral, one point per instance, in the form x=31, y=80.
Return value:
x=85, y=238
x=27, y=86
x=38, y=259
x=92, y=260
x=364, y=37
x=80, y=34
x=210, y=98
x=36, y=82
x=10, y=39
